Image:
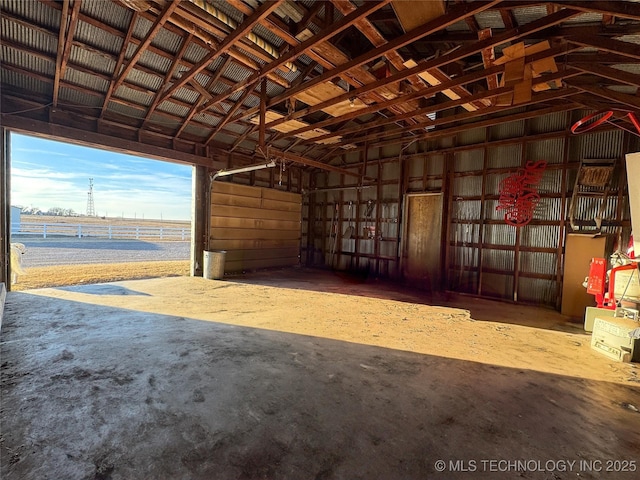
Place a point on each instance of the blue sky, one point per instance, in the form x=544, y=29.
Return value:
x=47, y=174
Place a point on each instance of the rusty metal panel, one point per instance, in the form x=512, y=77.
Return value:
x=551, y=150
x=504, y=156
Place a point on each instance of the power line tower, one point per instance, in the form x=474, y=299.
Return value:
x=91, y=209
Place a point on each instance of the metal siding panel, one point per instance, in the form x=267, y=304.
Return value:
x=126, y=110
x=504, y=156
x=538, y=262
x=548, y=209
x=504, y=131
x=540, y=236
x=471, y=136
x=499, y=234
x=551, y=151
x=529, y=14
x=551, y=182
x=498, y=260
x=154, y=61
x=468, y=160
x=553, y=122
x=606, y=144
x=173, y=108
x=537, y=291
x=467, y=186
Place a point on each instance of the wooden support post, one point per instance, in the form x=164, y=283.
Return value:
x=562, y=220
x=447, y=192
x=200, y=213
x=5, y=208
x=482, y=212
x=263, y=113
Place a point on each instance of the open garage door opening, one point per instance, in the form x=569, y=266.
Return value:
x=82, y=215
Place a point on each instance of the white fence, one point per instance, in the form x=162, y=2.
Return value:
x=137, y=232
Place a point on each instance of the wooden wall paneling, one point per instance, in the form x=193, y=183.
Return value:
x=258, y=227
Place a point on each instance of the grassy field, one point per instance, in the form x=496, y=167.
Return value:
x=104, y=221
x=64, y=275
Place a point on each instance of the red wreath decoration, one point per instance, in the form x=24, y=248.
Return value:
x=519, y=193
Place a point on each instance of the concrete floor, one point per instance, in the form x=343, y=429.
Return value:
x=149, y=380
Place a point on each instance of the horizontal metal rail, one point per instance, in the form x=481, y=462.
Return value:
x=136, y=232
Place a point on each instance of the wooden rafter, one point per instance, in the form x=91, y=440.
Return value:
x=261, y=12
x=628, y=10
x=230, y=114
x=119, y=62
x=303, y=47
x=623, y=99
x=157, y=26
x=61, y=46
x=630, y=50
x=186, y=41
x=610, y=73
x=197, y=103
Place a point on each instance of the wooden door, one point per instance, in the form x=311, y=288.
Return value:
x=421, y=252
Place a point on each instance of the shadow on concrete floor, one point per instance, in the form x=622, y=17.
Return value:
x=95, y=392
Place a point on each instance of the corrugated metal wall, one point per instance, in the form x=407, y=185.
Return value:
x=483, y=255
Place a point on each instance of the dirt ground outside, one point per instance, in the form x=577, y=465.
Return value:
x=304, y=374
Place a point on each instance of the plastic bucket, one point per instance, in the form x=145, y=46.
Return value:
x=213, y=264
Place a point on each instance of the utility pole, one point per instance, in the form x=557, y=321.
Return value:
x=91, y=209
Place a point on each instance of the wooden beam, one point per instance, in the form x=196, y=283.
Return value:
x=629, y=10
x=64, y=18
x=314, y=163
x=230, y=114
x=194, y=108
x=608, y=45
x=157, y=26
x=263, y=113
x=616, y=97
x=186, y=41
x=243, y=29
x=610, y=73
x=303, y=47
x=427, y=92
x=119, y=62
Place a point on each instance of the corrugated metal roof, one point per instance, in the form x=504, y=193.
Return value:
x=236, y=73
x=37, y=12
x=91, y=60
x=30, y=38
x=112, y=13
x=134, y=96
x=471, y=136
x=195, y=53
x=628, y=67
x=20, y=58
x=630, y=39
x=228, y=10
x=142, y=27
x=167, y=41
x=553, y=122
x=186, y=95
x=529, y=14
x=628, y=89
x=98, y=38
x=160, y=119
x=460, y=26
x=126, y=110
x=541, y=236
x=89, y=81
x=71, y=95
x=155, y=62
x=489, y=19
x=173, y=108
x=587, y=17
x=28, y=83
x=503, y=131
x=143, y=79
x=197, y=131
x=208, y=119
